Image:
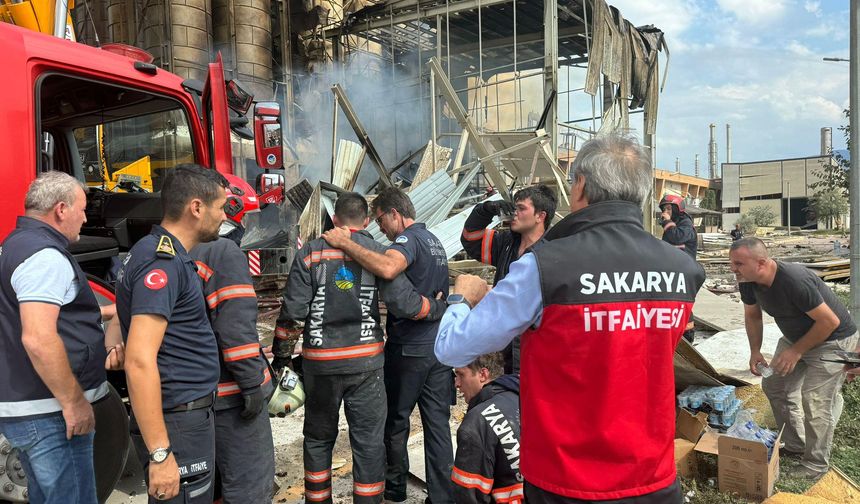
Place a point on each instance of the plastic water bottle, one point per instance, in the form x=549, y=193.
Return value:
x=764, y=370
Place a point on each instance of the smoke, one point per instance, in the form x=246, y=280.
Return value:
x=392, y=105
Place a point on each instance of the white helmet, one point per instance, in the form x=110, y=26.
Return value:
x=289, y=394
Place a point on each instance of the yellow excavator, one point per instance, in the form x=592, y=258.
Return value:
x=41, y=16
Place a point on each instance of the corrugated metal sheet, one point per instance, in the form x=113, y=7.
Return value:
x=427, y=198
x=346, y=165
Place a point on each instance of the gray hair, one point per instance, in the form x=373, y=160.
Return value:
x=614, y=168
x=49, y=189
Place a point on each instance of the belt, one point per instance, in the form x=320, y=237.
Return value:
x=203, y=402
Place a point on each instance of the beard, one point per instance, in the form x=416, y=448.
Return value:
x=208, y=235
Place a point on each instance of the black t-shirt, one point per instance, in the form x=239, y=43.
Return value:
x=795, y=291
x=167, y=285
x=427, y=269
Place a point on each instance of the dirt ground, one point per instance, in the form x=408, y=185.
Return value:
x=288, y=437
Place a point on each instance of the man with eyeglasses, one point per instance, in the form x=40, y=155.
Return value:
x=412, y=373
x=532, y=211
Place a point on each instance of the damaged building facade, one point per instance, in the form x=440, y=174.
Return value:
x=454, y=95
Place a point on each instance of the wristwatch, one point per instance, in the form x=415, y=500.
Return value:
x=159, y=455
x=458, y=299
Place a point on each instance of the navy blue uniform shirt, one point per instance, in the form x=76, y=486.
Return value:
x=158, y=277
x=427, y=269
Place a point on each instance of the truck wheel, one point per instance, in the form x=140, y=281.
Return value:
x=13, y=481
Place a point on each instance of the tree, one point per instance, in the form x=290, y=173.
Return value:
x=828, y=205
x=709, y=202
x=761, y=215
x=747, y=224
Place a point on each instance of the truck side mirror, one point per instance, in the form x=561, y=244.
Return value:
x=268, y=141
x=270, y=188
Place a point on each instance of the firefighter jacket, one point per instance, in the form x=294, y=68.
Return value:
x=598, y=387
x=680, y=233
x=338, y=303
x=487, y=464
x=232, y=306
x=496, y=248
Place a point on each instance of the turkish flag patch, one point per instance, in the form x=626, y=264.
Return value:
x=155, y=279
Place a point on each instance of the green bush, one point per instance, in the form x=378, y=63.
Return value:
x=762, y=215
x=747, y=224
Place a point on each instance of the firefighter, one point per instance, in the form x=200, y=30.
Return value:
x=244, y=449
x=487, y=463
x=342, y=352
x=678, y=231
x=413, y=375
x=677, y=225
x=598, y=395
x=532, y=210
x=171, y=353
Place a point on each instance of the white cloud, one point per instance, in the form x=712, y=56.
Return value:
x=812, y=7
x=674, y=17
x=754, y=11
x=798, y=49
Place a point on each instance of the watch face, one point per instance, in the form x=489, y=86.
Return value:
x=455, y=298
x=159, y=455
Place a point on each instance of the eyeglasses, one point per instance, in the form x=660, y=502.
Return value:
x=378, y=220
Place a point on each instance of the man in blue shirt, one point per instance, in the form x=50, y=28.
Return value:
x=412, y=373
x=172, y=365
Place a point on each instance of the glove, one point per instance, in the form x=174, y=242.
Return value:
x=253, y=402
x=279, y=363
x=499, y=207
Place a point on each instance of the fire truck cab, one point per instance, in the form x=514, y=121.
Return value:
x=94, y=113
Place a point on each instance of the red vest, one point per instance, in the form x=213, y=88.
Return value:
x=598, y=388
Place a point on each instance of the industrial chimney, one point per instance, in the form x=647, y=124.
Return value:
x=696, y=166
x=826, y=141
x=712, y=152
x=728, y=143
x=677, y=165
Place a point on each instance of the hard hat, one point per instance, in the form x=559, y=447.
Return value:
x=241, y=199
x=676, y=201
x=289, y=394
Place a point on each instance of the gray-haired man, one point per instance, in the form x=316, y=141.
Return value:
x=599, y=327
x=52, y=345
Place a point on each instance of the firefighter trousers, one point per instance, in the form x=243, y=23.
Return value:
x=414, y=376
x=244, y=456
x=192, y=439
x=669, y=495
x=363, y=398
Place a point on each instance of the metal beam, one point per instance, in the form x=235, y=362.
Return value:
x=361, y=133
x=450, y=9
x=521, y=39
x=854, y=143
x=456, y=108
x=550, y=44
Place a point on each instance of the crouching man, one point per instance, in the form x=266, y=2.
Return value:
x=487, y=464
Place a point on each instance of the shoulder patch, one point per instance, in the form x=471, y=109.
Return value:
x=155, y=279
x=402, y=239
x=165, y=248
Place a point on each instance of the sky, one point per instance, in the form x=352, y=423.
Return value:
x=754, y=64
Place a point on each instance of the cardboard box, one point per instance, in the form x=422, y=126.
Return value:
x=689, y=426
x=744, y=467
x=685, y=458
